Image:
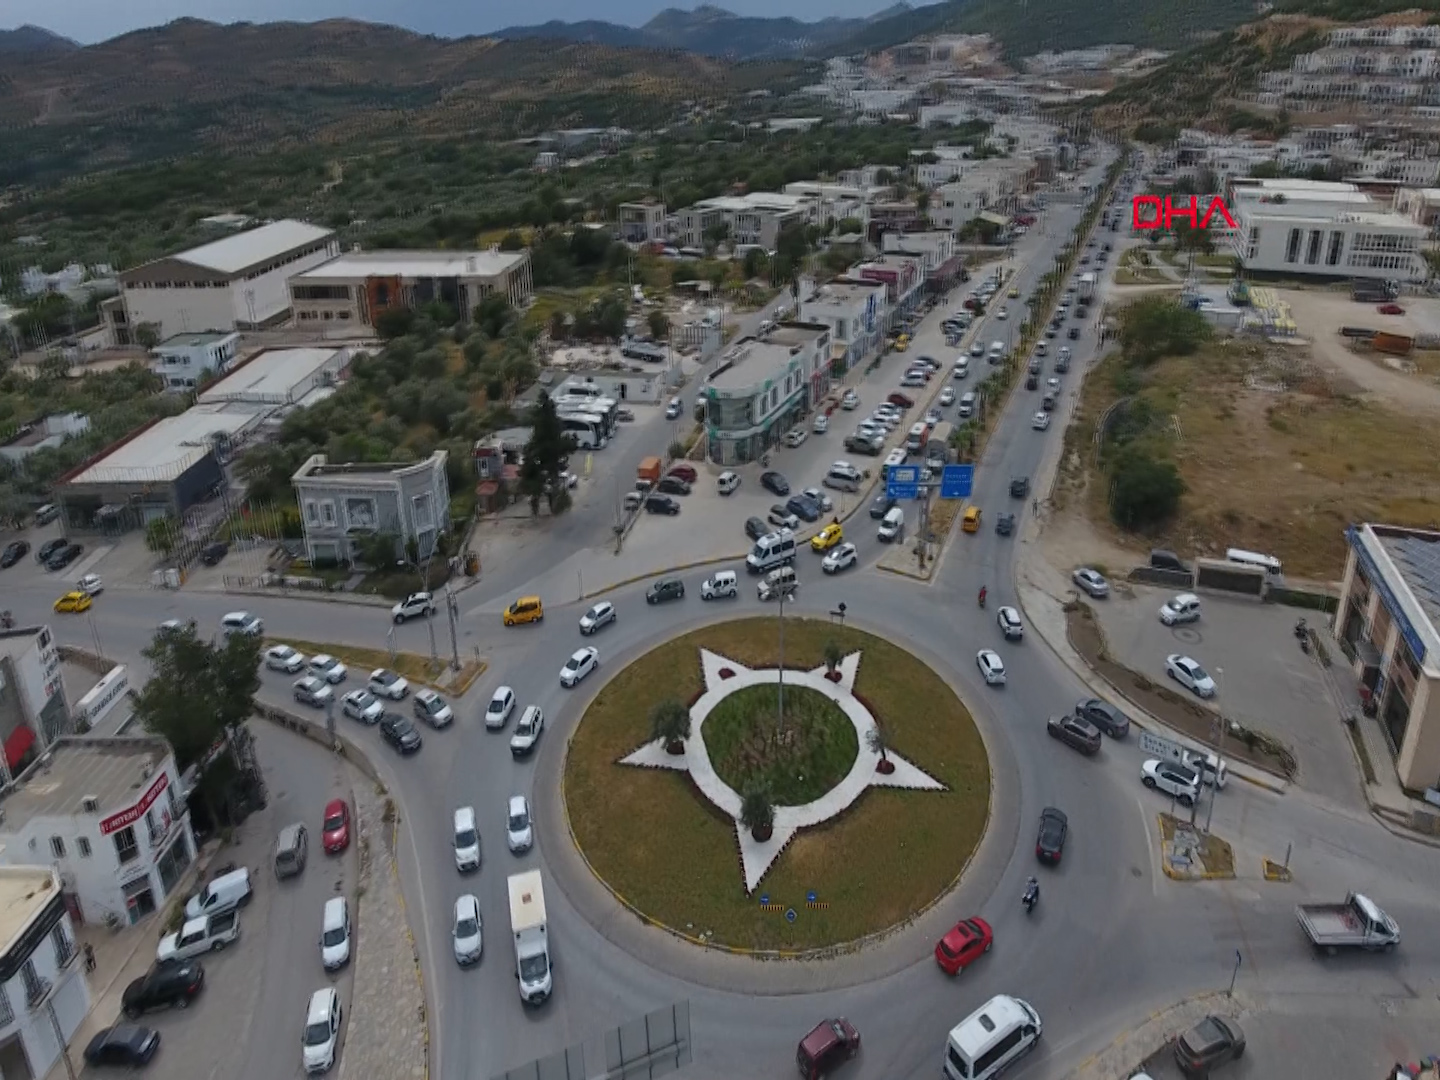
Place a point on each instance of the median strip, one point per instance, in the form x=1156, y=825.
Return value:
x=437, y=674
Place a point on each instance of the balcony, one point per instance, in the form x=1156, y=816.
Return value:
x=37, y=990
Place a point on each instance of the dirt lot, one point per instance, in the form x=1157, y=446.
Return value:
x=1278, y=452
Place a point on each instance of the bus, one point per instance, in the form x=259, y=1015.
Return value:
x=587, y=429
x=633, y=349
x=607, y=409
x=1268, y=563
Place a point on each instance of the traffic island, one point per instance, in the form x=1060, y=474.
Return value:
x=917, y=559
x=1276, y=872
x=1187, y=854
x=437, y=674
x=709, y=812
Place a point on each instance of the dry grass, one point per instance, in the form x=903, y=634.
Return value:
x=1217, y=857
x=668, y=852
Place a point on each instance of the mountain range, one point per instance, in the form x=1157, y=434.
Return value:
x=28, y=40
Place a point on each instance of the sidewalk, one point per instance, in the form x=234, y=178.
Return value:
x=1122, y=1058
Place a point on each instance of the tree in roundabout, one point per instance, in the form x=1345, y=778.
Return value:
x=758, y=807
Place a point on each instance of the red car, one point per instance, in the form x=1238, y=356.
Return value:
x=829, y=1044
x=963, y=945
x=1391, y=309
x=684, y=472
x=901, y=401
x=336, y=832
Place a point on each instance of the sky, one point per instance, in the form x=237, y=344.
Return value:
x=89, y=21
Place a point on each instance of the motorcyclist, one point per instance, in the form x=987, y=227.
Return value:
x=982, y=595
x=1032, y=892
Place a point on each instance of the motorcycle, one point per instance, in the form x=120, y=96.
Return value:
x=982, y=598
x=1031, y=897
x=1302, y=634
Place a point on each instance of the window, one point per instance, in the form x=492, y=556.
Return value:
x=1337, y=242
x=327, y=512
x=64, y=947
x=1292, y=247
x=312, y=513
x=125, y=846
x=82, y=845
x=57, y=847
x=1312, y=253
x=35, y=987
x=152, y=827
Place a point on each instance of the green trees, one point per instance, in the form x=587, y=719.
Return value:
x=1144, y=490
x=1156, y=326
x=545, y=456
x=198, y=691
x=757, y=813
x=659, y=325
x=670, y=721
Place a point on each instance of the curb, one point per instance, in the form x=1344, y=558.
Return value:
x=353, y=599
x=1151, y=1018
x=1204, y=875
x=410, y=937
x=661, y=573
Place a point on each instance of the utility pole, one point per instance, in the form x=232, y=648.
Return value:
x=452, y=608
x=60, y=1037
x=784, y=595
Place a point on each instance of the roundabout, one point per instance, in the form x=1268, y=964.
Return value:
x=875, y=784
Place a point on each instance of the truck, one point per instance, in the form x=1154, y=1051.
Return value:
x=1358, y=923
x=648, y=474
x=199, y=936
x=1370, y=291
x=937, y=448
x=1086, y=288
x=533, y=968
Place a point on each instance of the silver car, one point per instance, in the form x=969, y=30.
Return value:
x=467, y=934
x=363, y=706
x=313, y=691
x=1091, y=581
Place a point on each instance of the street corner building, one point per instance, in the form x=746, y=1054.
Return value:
x=343, y=504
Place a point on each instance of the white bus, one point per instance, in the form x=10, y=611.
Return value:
x=607, y=409
x=587, y=429
x=1268, y=563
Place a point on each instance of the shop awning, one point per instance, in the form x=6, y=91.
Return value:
x=16, y=744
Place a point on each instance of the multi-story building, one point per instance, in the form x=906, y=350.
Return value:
x=753, y=220
x=641, y=222
x=761, y=387
x=44, y=997
x=355, y=288
x=1383, y=71
x=235, y=283
x=409, y=501
x=934, y=248
x=856, y=316
x=1323, y=229
x=110, y=817
x=838, y=201
x=33, y=707
x=903, y=277
x=183, y=359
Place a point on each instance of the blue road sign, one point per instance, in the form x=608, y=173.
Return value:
x=790, y=915
x=903, y=482
x=956, y=481
x=765, y=898
x=811, y=897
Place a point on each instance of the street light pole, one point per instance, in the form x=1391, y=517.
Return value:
x=452, y=608
x=784, y=595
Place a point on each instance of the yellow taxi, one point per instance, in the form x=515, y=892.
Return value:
x=902, y=343
x=74, y=601
x=971, y=521
x=1014, y=294
x=827, y=537
x=527, y=609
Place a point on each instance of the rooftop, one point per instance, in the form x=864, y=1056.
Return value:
x=797, y=333
x=245, y=249
x=318, y=467
x=844, y=294
x=1416, y=554
x=114, y=772
x=191, y=341
x=168, y=447
x=750, y=363
x=416, y=264
x=755, y=200
x=271, y=377
x=24, y=893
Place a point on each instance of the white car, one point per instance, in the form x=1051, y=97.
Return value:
x=1003, y=313
x=519, y=829
x=362, y=705
x=602, y=614
x=321, y=1040
x=839, y=558
x=991, y=666
x=820, y=499
x=795, y=436
x=328, y=668
x=468, y=932
x=1190, y=675
x=385, y=683
x=727, y=482
x=431, y=707
x=1180, y=609
x=821, y=425
x=782, y=517
x=414, y=606
x=241, y=622
x=1091, y=581
x=1040, y=421
x=502, y=704
x=1009, y=621
x=313, y=691
x=527, y=731
x=91, y=585
x=947, y=398
x=1172, y=778
x=581, y=663
x=284, y=658
x=850, y=401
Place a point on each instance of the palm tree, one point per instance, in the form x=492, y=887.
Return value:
x=757, y=813
x=833, y=655
x=670, y=721
x=879, y=743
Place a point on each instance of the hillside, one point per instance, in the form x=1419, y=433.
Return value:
x=195, y=85
x=26, y=40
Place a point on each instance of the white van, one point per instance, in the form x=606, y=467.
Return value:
x=892, y=524
x=777, y=581
x=916, y=440
x=335, y=934
x=961, y=369
x=225, y=893
x=892, y=459
x=991, y=1038
x=966, y=407
x=843, y=477
x=1268, y=563
x=771, y=550
x=997, y=351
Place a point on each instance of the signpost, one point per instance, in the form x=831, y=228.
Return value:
x=903, y=482
x=957, y=481
x=1161, y=747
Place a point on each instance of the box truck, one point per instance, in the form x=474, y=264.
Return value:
x=532, y=947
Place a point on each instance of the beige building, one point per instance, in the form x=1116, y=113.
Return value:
x=1387, y=624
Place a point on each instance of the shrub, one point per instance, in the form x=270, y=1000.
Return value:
x=1144, y=491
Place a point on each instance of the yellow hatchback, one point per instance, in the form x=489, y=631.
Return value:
x=902, y=343
x=972, y=519
x=527, y=609
x=827, y=537
x=74, y=601
x=1014, y=294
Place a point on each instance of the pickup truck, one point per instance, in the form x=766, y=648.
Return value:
x=199, y=936
x=1358, y=923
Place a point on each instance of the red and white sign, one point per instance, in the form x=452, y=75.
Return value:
x=116, y=822
x=1160, y=212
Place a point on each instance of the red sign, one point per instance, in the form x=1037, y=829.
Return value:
x=1158, y=212
x=116, y=822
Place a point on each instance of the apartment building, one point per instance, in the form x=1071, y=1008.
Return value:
x=641, y=222
x=761, y=387
x=756, y=219
x=855, y=313
x=1378, y=70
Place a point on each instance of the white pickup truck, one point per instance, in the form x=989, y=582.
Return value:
x=1358, y=923
x=199, y=936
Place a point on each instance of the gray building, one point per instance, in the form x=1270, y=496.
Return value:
x=761, y=387
x=342, y=503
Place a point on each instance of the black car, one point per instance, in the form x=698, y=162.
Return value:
x=125, y=1044
x=755, y=528
x=1104, y=716
x=14, y=552
x=162, y=986
x=1032, y=382
x=1213, y=1041
x=665, y=589
x=211, y=554
x=50, y=547
x=400, y=733
x=1050, y=840
x=672, y=485
x=1075, y=732
x=1020, y=487
x=64, y=557
x=774, y=483
x=1005, y=524
x=1051, y=331
x=661, y=504
x=1074, y=333
x=880, y=506
x=803, y=507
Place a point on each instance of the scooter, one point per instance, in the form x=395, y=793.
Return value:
x=1031, y=897
x=1302, y=633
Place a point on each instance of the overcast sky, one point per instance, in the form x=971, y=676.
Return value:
x=89, y=21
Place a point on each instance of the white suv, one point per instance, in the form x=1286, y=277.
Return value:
x=242, y=622
x=415, y=606
x=519, y=828
x=527, y=731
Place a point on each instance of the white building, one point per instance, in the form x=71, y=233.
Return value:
x=856, y=317
x=44, y=997
x=641, y=222
x=33, y=707
x=235, y=283
x=935, y=249
x=109, y=816
x=1324, y=229
x=274, y=378
x=760, y=387
x=756, y=219
x=41, y=434
x=183, y=359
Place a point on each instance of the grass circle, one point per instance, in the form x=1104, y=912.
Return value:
x=662, y=847
x=796, y=762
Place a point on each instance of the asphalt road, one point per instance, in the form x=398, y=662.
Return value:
x=1111, y=939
